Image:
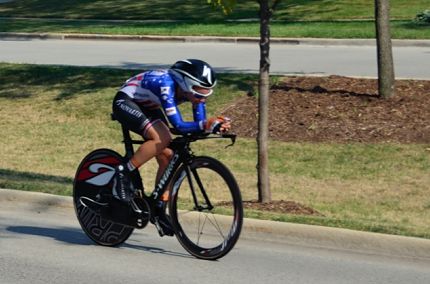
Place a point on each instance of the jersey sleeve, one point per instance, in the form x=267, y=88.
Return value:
x=173, y=113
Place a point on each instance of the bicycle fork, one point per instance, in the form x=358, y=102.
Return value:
x=197, y=205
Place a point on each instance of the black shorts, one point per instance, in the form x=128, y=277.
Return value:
x=134, y=117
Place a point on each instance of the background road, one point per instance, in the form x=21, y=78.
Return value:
x=410, y=62
x=44, y=244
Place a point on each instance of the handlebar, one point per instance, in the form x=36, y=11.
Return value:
x=191, y=137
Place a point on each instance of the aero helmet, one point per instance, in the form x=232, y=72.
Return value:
x=190, y=73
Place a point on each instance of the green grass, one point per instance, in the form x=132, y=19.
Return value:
x=294, y=10
x=327, y=19
x=353, y=29
x=52, y=116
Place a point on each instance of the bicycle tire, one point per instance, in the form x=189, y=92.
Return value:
x=221, y=231
x=94, y=183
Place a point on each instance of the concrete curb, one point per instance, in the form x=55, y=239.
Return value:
x=287, y=233
x=191, y=39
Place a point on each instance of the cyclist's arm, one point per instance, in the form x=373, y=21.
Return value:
x=175, y=118
x=199, y=112
x=174, y=115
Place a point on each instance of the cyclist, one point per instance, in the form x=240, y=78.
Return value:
x=143, y=103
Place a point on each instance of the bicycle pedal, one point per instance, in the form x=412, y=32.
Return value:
x=162, y=229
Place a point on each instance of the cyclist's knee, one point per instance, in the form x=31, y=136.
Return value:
x=160, y=135
x=164, y=157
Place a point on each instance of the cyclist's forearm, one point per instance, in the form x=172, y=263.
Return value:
x=176, y=120
x=199, y=112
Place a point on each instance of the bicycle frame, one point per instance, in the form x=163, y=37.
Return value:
x=181, y=155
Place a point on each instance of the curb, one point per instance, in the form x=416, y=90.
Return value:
x=194, y=39
x=280, y=232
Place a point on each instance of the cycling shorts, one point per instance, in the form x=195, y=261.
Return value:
x=135, y=117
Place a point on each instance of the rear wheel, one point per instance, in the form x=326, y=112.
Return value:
x=206, y=208
x=94, y=180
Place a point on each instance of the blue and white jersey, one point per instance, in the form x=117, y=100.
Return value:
x=155, y=89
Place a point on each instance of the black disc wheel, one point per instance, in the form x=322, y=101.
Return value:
x=206, y=208
x=94, y=180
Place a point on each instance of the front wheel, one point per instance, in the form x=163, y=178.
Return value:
x=206, y=208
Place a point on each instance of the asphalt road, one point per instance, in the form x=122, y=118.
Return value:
x=44, y=244
x=410, y=61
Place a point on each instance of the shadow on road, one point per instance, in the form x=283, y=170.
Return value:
x=66, y=235
x=157, y=250
x=77, y=237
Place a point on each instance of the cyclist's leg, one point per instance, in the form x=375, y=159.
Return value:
x=157, y=138
x=163, y=161
x=146, y=122
x=149, y=123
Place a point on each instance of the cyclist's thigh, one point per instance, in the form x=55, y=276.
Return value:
x=129, y=114
x=158, y=131
x=158, y=128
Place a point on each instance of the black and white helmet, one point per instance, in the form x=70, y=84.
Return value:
x=190, y=73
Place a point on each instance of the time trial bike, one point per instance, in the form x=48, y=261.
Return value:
x=204, y=207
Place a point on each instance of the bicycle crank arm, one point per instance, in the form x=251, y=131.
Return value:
x=118, y=212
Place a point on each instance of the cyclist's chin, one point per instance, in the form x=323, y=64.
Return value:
x=195, y=100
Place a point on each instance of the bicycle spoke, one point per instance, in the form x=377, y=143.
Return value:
x=200, y=231
x=216, y=226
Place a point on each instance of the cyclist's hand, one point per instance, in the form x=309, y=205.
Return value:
x=218, y=124
x=226, y=125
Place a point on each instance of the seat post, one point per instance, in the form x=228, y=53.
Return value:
x=128, y=143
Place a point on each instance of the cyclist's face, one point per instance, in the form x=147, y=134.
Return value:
x=195, y=100
x=203, y=91
x=190, y=96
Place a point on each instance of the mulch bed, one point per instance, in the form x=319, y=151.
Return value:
x=335, y=109
x=339, y=109
x=281, y=206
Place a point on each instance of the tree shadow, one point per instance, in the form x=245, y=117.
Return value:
x=283, y=10
x=246, y=84
x=68, y=80
x=28, y=181
x=28, y=176
x=72, y=81
x=144, y=10
x=415, y=26
x=7, y=94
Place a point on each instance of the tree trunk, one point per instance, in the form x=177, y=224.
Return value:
x=386, y=77
x=264, y=194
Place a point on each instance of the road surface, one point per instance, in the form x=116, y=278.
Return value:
x=410, y=62
x=44, y=244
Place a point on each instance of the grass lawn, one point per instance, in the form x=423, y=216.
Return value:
x=327, y=18
x=293, y=10
x=353, y=29
x=51, y=117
